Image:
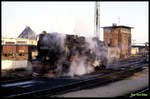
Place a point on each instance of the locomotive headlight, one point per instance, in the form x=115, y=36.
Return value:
x=91, y=52
x=47, y=58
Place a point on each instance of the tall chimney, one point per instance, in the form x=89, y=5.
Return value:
x=97, y=20
x=114, y=24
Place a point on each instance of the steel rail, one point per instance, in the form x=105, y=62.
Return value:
x=68, y=87
x=17, y=80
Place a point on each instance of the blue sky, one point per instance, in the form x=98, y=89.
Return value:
x=73, y=17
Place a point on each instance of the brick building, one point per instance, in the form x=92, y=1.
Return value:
x=17, y=48
x=118, y=40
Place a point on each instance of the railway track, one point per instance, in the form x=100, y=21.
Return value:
x=49, y=87
x=57, y=87
x=132, y=59
x=16, y=79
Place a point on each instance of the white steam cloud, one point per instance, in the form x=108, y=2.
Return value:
x=84, y=59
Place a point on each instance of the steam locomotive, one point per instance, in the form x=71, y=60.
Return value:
x=55, y=49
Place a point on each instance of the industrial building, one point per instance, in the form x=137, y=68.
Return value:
x=140, y=49
x=118, y=40
x=19, y=48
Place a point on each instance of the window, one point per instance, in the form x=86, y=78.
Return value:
x=108, y=30
x=110, y=42
x=125, y=30
x=21, y=42
x=10, y=42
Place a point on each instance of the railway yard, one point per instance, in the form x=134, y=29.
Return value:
x=28, y=86
x=76, y=61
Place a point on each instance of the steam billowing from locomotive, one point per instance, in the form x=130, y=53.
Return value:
x=70, y=55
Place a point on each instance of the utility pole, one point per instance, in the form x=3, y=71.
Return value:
x=97, y=20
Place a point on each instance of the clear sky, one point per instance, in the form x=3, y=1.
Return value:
x=73, y=17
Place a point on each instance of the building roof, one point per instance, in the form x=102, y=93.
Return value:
x=27, y=33
x=137, y=46
x=120, y=26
